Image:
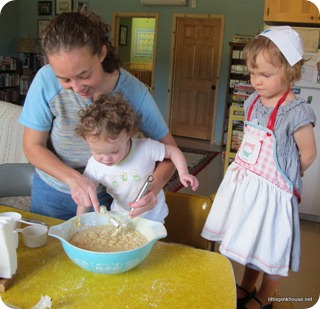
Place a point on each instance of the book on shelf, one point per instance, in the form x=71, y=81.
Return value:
x=246, y=87
x=243, y=88
x=233, y=82
x=236, y=140
x=230, y=160
x=8, y=63
x=9, y=80
x=237, y=54
x=10, y=95
x=237, y=125
x=240, y=93
x=239, y=69
x=237, y=112
x=24, y=84
x=239, y=98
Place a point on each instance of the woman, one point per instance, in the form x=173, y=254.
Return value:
x=82, y=64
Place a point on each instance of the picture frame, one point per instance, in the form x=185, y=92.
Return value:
x=44, y=7
x=63, y=6
x=42, y=24
x=82, y=6
x=123, y=35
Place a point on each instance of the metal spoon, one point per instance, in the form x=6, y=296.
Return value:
x=32, y=222
x=145, y=188
x=141, y=194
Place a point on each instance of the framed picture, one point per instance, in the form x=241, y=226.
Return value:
x=42, y=24
x=123, y=35
x=82, y=6
x=63, y=6
x=44, y=8
x=144, y=42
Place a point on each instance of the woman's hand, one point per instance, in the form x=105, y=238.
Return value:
x=82, y=189
x=83, y=192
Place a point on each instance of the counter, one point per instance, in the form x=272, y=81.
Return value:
x=172, y=276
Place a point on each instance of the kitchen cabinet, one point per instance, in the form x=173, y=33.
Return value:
x=237, y=73
x=292, y=11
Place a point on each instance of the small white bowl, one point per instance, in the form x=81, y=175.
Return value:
x=34, y=236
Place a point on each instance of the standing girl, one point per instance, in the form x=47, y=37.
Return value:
x=255, y=212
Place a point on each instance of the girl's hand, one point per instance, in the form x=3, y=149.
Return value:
x=146, y=203
x=187, y=179
x=83, y=192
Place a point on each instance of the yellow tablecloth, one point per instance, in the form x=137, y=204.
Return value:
x=172, y=276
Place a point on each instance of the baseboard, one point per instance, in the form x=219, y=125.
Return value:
x=307, y=217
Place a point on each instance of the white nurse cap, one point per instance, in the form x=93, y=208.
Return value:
x=287, y=40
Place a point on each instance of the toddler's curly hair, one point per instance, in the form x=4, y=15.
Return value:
x=107, y=117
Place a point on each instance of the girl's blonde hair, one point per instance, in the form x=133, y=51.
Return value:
x=261, y=44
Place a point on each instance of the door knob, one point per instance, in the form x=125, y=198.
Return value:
x=213, y=87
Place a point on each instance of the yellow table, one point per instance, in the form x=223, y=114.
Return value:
x=172, y=276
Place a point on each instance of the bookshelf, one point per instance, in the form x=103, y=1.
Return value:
x=235, y=134
x=27, y=75
x=9, y=80
x=237, y=73
x=241, y=92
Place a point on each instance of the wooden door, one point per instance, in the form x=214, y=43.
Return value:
x=196, y=63
x=297, y=11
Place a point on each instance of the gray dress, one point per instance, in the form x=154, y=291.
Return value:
x=290, y=117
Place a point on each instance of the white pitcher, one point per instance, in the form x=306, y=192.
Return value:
x=8, y=253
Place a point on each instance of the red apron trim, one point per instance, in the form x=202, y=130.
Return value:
x=271, y=123
x=273, y=116
x=297, y=194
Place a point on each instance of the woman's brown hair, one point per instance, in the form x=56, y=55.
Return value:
x=71, y=30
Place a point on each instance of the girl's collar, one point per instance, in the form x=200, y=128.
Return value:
x=130, y=152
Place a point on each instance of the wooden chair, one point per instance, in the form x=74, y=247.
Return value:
x=187, y=216
x=16, y=179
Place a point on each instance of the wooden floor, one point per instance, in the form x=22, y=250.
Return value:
x=302, y=285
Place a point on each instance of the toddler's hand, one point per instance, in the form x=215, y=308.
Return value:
x=187, y=179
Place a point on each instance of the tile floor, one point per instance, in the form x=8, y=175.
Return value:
x=303, y=285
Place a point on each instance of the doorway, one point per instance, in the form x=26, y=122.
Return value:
x=194, y=78
x=135, y=37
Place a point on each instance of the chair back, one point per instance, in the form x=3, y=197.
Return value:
x=16, y=179
x=186, y=219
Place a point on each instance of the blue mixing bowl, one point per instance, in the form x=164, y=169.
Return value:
x=107, y=262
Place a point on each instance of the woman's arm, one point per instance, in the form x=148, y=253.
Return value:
x=82, y=190
x=305, y=140
x=164, y=169
x=162, y=174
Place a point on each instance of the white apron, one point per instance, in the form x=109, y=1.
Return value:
x=252, y=211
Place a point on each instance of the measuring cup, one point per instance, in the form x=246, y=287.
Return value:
x=34, y=236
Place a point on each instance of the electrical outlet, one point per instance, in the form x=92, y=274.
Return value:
x=193, y=3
